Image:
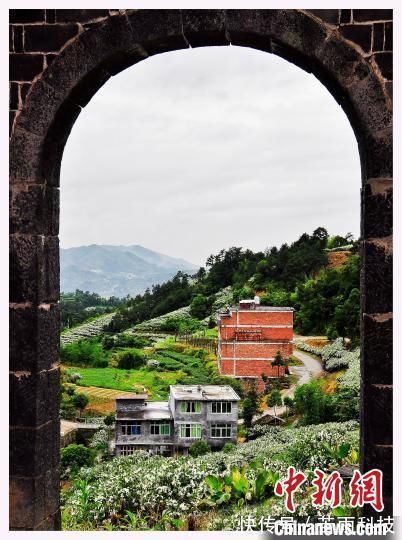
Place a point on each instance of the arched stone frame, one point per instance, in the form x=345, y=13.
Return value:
x=39, y=134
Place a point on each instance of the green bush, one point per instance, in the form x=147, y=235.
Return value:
x=80, y=401
x=313, y=404
x=124, y=340
x=130, y=359
x=199, y=448
x=109, y=419
x=73, y=457
x=84, y=353
x=228, y=448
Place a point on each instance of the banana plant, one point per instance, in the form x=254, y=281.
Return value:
x=342, y=454
x=237, y=487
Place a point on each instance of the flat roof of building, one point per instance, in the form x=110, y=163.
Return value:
x=256, y=307
x=153, y=410
x=208, y=392
x=138, y=397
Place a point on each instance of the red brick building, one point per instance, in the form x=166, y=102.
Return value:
x=249, y=337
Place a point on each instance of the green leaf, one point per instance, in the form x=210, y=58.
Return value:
x=239, y=481
x=260, y=484
x=339, y=512
x=343, y=450
x=214, y=482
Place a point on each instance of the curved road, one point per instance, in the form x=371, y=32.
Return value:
x=311, y=369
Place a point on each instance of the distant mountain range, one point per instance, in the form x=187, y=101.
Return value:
x=116, y=270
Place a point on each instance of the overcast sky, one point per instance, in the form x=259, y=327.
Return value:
x=193, y=151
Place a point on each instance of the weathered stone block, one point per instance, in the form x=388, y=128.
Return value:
x=34, y=398
x=204, y=27
x=24, y=67
x=362, y=15
x=34, y=208
x=159, y=30
x=384, y=62
x=33, y=451
x=27, y=502
x=377, y=275
x=378, y=37
x=11, y=117
x=377, y=407
x=377, y=347
x=27, y=15
x=328, y=15
x=34, y=269
x=48, y=38
x=34, y=502
x=377, y=208
x=50, y=16
x=13, y=98
x=44, y=103
x=18, y=39
x=51, y=523
x=346, y=16
x=360, y=34
x=388, y=40
x=34, y=338
x=25, y=157
x=80, y=15
x=376, y=154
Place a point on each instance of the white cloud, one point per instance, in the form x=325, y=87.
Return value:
x=192, y=151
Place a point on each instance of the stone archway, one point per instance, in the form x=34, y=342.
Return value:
x=85, y=48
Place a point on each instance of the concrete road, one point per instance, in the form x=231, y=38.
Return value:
x=311, y=369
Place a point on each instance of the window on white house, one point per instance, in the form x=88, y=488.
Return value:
x=160, y=428
x=221, y=407
x=190, y=407
x=221, y=431
x=127, y=450
x=132, y=428
x=190, y=431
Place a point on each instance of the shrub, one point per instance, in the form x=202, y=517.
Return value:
x=74, y=377
x=101, y=363
x=199, y=448
x=73, y=457
x=109, y=419
x=228, y=448
x=80, y=401
x=83, y=353
x=313, y=404
x=129, y=359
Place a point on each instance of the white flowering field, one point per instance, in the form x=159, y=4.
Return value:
x=141, y=491
x=86, y=330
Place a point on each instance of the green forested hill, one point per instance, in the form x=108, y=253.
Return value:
x=326, y=299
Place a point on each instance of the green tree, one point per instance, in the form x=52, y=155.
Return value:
x=109, y=419
x=251, y=405
x=199, y=448
x=80, y=401
x=73, y=457
x=130, y=359
x=274, y=399
x=313, y=404
x=199, y=307
x=278, y=361
x=289, y=404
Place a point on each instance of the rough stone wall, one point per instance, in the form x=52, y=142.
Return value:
x=38, y=35
x=56, y=63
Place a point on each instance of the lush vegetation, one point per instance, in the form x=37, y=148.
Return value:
x=127, y=368
x=313, y=403
x=326, y=300
x=140, y=492
x=80, y=306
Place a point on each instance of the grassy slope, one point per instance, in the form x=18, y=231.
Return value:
x=156, y=383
